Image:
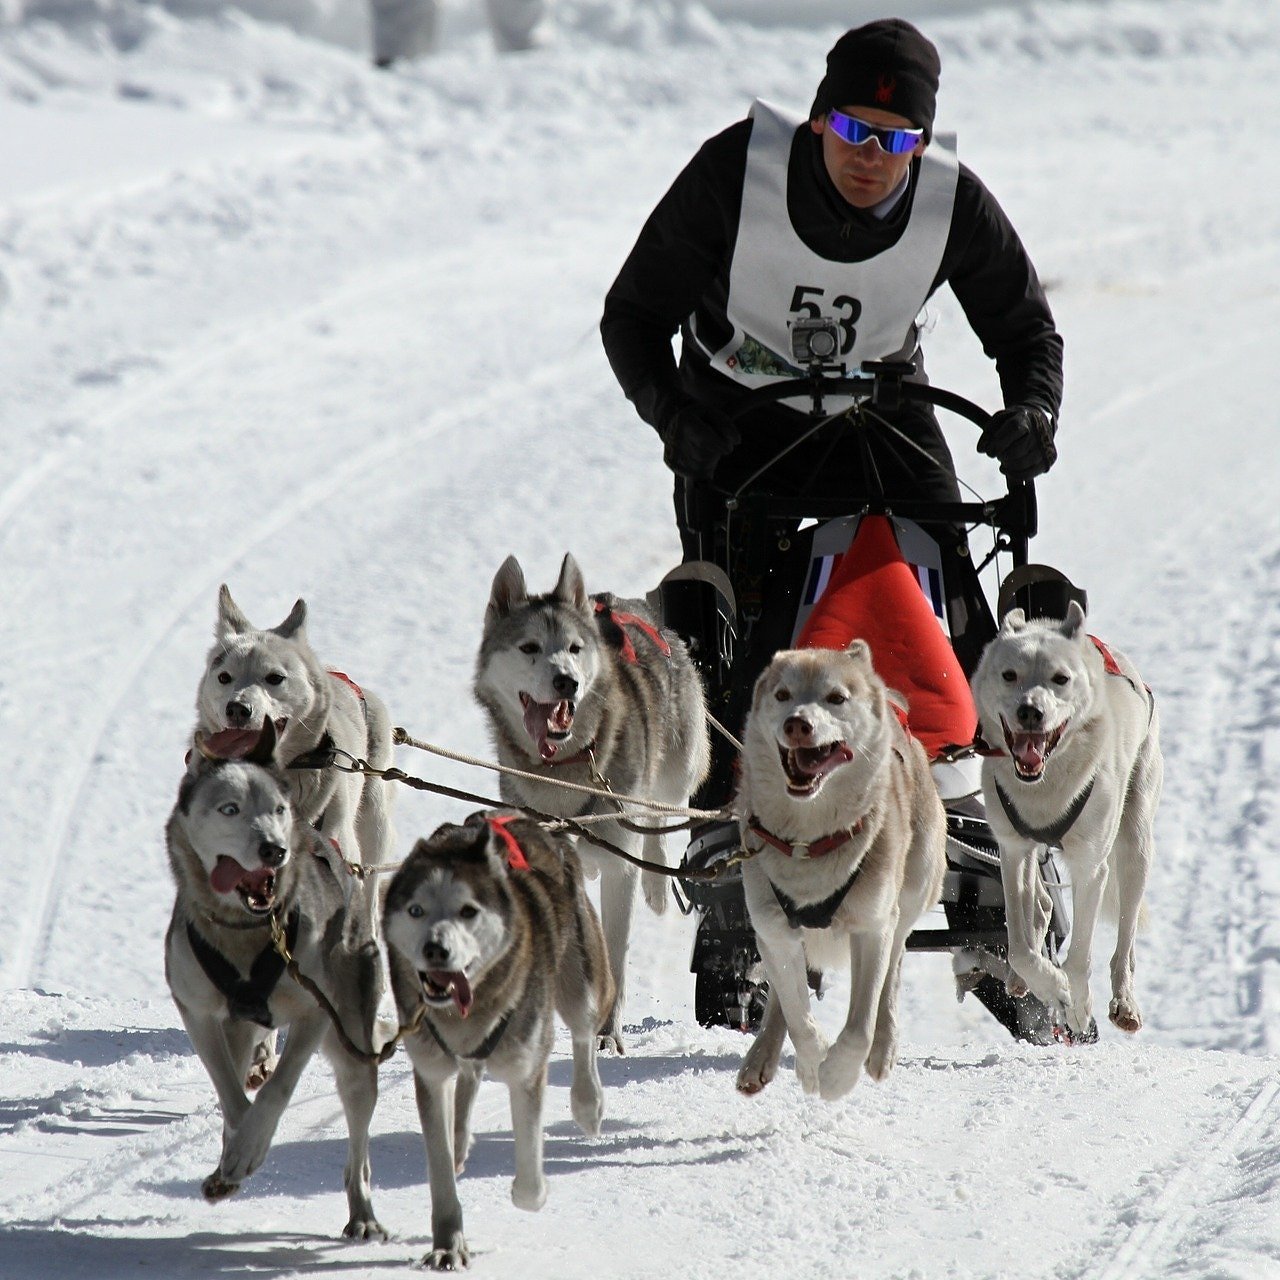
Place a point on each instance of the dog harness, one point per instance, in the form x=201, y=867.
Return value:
x=616, y=621
x=817, y=849
x=515, y=854
x=814, y=915
x=1053, y=833
x=247, y=999
x=485, y=1047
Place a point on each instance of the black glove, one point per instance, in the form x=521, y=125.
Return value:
x=695, y=439
x=1022, y=438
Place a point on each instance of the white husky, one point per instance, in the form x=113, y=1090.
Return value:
x=1083, y=771
x=849, y=835
x=253, y=674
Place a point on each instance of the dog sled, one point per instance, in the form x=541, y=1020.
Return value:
x=818, y=550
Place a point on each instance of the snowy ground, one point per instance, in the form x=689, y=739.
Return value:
x=270, y=318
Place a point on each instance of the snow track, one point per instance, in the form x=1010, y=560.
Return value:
x=327, y=333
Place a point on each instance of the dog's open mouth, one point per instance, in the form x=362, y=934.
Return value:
x=547, y=723
x=441, y=987
x=257, y=889
x=807, y=767
x=1030, y=751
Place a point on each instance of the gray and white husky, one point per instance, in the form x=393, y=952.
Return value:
x=848, y=836
x=491, y=931
x=241, y=858
x=1082, y=770
x=587, y=689
x=252, y=674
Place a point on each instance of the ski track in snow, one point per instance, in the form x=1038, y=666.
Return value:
x=1154, y=1157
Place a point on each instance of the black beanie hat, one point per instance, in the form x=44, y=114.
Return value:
x=886, y=64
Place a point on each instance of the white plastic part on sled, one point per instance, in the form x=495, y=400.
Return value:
x=957, y=779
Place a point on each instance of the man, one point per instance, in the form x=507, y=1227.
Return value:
x=857, y=215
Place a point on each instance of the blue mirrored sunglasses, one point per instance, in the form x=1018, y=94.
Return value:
x=894, y=141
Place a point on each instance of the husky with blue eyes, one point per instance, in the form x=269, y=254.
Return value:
x=490, y=933
x=245, y=866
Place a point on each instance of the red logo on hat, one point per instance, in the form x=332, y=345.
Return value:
x=885, y=87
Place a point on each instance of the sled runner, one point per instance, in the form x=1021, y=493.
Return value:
x=897, y=573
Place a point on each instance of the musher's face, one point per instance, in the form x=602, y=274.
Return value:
x=864, y=174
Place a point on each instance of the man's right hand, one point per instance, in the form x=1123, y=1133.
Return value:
x=696, y=439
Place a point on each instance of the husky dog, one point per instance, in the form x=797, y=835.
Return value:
x=1082, y=771
x=589, y=690
x=251, y=674
x=489, y=929
x=241, y=860
x=848, y=836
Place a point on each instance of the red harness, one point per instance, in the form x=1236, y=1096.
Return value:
x=818, y=849
x=625, y=620
x=515, y=854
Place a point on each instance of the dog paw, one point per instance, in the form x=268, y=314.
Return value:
x=838, y=1074
x=216, y=1187
x=1015, y=986
x=656, y=892
x=809, y=1065
x=588, y=1110
x=611, y=1042
x=365, y=1228
x=263, y=1065
x=1125, y=1015
x=529, y=1193
x=882, y=1058
x=753, y=1076
x=453, y=1257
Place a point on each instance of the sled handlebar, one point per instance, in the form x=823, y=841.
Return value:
x=883, y=386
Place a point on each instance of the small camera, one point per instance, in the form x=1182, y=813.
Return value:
x=814, y=340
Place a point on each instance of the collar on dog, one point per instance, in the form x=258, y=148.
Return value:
x=515, y=854
x=814, y=915
x=483, y=1049
x=817, y=849
x=247, y=999
x=620, y=622
x=1053, y=833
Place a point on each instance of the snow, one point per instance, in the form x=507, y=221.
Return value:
x=272, y=318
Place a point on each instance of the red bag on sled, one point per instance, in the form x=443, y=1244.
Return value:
x=874, y=595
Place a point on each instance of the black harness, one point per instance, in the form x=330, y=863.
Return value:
x=816, y=915
x=1051, y=834
x=247, y=999
x=483, y=1049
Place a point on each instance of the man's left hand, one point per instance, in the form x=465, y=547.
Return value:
x=1021, y=437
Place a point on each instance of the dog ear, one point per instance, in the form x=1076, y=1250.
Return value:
x=509, y=592
x=231, y=620
x=294, y=623
x=1014, y=621
x=1073, y=624
x=263, y=751
x=859, y=650
x=570, y=589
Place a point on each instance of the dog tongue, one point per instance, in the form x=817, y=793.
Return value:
x=228, y=874
x=231, y=744
x=540, y=718
x=458, y=987
x=1029, y=750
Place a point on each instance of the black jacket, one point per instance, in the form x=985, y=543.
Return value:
x=680, y=266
